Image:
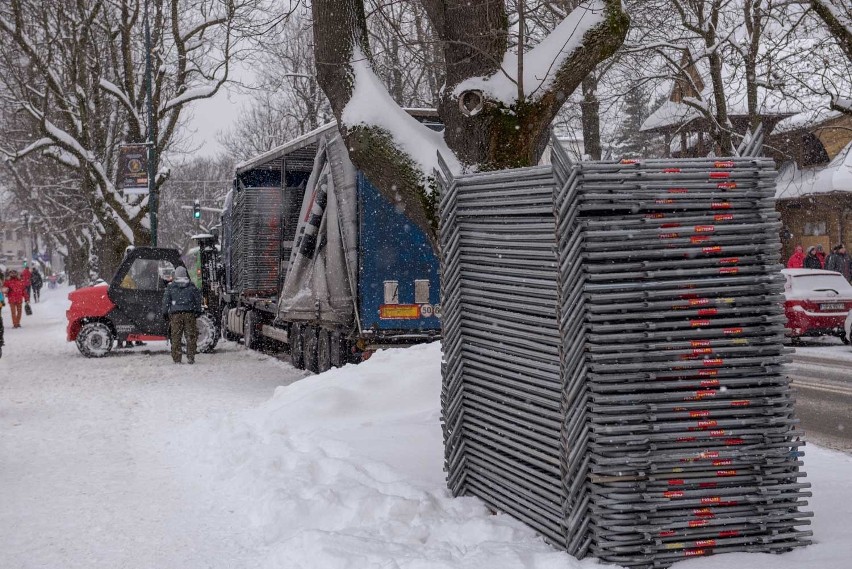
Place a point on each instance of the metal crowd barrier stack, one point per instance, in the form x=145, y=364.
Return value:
x=257, y=240
x=613, y=356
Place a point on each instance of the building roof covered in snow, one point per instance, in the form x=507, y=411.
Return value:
x=793, y=182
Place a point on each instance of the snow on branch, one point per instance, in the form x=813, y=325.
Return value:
x=202, y=92
x=119, y=94
x=543, y=62
x=371, y=105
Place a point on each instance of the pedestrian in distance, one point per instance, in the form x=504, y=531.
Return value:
x=16, y=296
x=36, y=282
x=811, y=260
x=181, y=306
x=2, y=304
x=27, y=276
x=839, y=261
x=797, y=259
x=820, y=255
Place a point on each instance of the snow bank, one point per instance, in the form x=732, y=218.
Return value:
x=344, y=470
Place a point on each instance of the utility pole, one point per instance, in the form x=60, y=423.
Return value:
x=153, y=197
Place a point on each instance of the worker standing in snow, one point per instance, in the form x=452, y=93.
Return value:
x=181, y=306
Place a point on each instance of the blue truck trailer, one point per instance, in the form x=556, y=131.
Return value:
x=317, y=263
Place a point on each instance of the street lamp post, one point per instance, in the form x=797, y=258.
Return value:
x=153, y=197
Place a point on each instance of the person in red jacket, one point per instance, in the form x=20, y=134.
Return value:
x=16, y=296
x=797, y=259
x=27, y=278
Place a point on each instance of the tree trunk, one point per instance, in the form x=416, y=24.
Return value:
x=591, y=118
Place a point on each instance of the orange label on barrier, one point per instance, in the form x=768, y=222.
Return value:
x=723, y=164
x=720, y=205
x=698, y=239
x=673, y=494
x=705, y=228
x=732, y=331
x=708, y=312
x=729, y=271
x=714, y=249
x=711, y=500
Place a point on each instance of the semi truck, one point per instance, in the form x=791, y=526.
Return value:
x=316, y=263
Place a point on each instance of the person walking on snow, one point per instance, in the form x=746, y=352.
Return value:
x=181, y=306
x=2, y=304
x=16, y=296
x=27, y=278
x=36, y=281
x=797, y=259
x=811, y=260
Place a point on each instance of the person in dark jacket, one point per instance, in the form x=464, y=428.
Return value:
x=820, y=254
x=36, y=281
x=839, y=261
x=181, y=306
x=811, y=260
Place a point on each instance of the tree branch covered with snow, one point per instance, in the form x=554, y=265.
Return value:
x=489, y=122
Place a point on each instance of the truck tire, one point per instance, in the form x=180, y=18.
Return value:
x=207, y=336
x=226, y=333
x=250, y=339
x=323, y=350
x=95, y=340
x=297, y=353
x=338, y=350
x=309, y=348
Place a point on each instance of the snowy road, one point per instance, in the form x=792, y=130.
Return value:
x=823, y=383
x=131, y=462
x=88, y=477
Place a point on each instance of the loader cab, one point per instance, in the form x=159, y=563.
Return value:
x=137, y=290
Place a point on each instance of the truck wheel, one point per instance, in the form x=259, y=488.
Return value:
x=297, y=353
x=338, y=350
x=207, y=336
x=95, y=340
x=226, y=333
x=309, y=347
x=323, y=350
x=250, y=339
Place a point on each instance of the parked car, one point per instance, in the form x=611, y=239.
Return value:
x=817, y=303
x=848, y=326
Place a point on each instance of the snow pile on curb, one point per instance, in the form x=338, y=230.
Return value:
x=344, y=470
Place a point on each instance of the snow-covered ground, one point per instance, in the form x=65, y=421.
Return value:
x=133, y=462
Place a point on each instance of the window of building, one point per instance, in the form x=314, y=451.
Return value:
x=815, y=228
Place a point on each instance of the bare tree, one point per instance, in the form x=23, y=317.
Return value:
x=75, y=69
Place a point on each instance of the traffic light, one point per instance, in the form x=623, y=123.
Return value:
x=196, y=210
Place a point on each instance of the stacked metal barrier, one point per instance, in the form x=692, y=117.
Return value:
x=502, y=395
x=256, y=241
x=621, y=389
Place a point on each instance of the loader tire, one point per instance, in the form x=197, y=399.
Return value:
x=95, y=340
